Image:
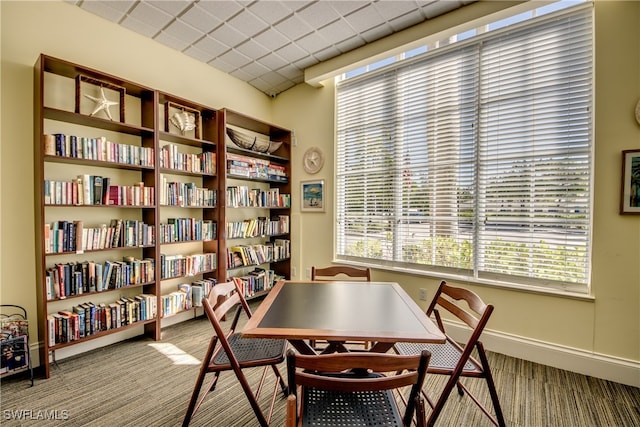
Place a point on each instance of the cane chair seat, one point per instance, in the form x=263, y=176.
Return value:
x=252, y=351
x=442, y=355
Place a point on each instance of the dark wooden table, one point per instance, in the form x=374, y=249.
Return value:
x=379, y=312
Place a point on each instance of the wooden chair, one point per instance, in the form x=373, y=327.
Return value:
x=229, y=351
x=349, y=389
x=453, y=359
x=337, y=272
x=341, y=272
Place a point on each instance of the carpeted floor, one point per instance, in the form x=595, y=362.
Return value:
x=146, y=383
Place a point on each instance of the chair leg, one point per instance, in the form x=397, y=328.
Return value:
x=444, y=395
x=283, y=385
x=490, y=383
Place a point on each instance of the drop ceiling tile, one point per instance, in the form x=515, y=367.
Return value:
x=199, y=54
x=337, y=31
x=252, y=49
x=255, y=69
x=263, y=86
x=363, y=19
x=151, y=16
x=346, y=7
x=293, y=27
x=235, y=58
x=248, y=23
x=271, y=39
x=222, y=10
x=273, y=78
x=209, y=44
x=121, y=5
x=406, y=21
x=172, y=7
x=241, y=74
x=327, y=53
x=312, y=42
x=105, y=10
x=295, y=5
x=173, y=42
x=199, y=18
x=434, y=9
x=350, y=44
x=183, y=31
x=228, y=35
x=273, y=61
x=287, y=84
x=139, y=26
x=319, y=14
x=391, y=9
x=292, y=53
x=270, y=11
x=305, y=62
x=291, y=72
x=377, y=33
x=221, y=65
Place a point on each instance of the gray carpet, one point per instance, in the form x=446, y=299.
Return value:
x=133, y=383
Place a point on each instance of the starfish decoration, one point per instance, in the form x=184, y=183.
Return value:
x=102, y=103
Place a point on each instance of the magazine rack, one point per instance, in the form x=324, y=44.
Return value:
x=14, y=340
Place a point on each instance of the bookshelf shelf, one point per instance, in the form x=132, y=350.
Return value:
x=149, y=322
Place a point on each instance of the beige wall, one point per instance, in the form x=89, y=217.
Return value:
x=593, y=336
x=599, y=336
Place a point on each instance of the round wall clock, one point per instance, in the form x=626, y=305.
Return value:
x=638, y=112
x=313, y=160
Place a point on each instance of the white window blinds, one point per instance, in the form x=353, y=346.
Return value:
x=475, y=161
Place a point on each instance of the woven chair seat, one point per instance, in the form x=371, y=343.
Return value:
x=363, y=408
x=442, y=355
x=252, y=350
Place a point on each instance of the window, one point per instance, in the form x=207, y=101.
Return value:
x=474, y=161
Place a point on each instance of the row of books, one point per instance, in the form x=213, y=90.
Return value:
x=246, y=255
x=255, y=227
x=243, y=197
x=96, y=190
x=186, y=297
x=80, y=147
x=258, y=280
x=89, y=319
x=187, y=230
x=77, y=278
x=187, y=265
x=250, y=167
x=73, y=236
x=171, y=158
x=185, y=194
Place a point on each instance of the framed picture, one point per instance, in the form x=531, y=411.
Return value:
x=630, y=197
x=313, y=196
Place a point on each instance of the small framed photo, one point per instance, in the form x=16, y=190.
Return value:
x=312, y=196
x=630, y=197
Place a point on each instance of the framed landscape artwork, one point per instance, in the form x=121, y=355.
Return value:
x=630, y=197
x=312, y=196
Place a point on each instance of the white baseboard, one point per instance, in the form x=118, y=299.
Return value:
x=597, y=365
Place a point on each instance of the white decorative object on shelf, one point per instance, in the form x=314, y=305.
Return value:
x=259, y=144
x=183, y=121
x=102, y=103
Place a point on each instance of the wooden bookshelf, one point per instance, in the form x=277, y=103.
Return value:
x=163, y=163
x=235, y=213
x=93, y=287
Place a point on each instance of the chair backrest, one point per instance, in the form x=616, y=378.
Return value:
x=338, y=272
x=465, y=305
x=402, y=371
x=222, y=298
